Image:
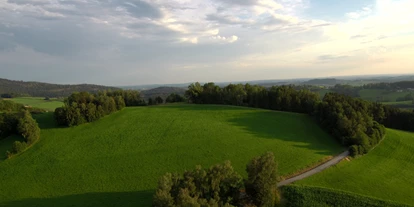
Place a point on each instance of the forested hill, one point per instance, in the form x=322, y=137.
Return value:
x=21, y=88
x=163, y=92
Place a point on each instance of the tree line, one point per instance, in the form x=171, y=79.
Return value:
x=85, y=107
x=15, y=119
x=220, y=185
x=354, y=122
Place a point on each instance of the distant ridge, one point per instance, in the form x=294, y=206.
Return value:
x=39, y=89
x=163, y=92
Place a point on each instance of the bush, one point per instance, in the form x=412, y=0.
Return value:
x=18, y=147
x=220, y=185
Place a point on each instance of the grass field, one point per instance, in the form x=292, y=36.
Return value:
x=381, y=95
x=117, y=160
x=38, y=102
x=387, y=172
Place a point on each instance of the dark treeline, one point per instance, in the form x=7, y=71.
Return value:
x=84, y=107
x=352, y=121
x=390, y=86
x=11, y=89
x=284, y=98
x=220, y=185
x=155, y=101
x=174, y=98
x=398, y=118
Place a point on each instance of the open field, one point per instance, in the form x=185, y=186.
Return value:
x=381, y=95
x=385, y=173
x=308, y=196
x=117, y=160
x=38, y=102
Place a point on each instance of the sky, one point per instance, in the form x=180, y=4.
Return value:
x=135, y=42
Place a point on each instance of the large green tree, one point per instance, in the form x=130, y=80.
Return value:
x=261, y=184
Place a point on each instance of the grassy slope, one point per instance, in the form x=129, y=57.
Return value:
x=38, y=102
x=387, y=172
x=118, y=160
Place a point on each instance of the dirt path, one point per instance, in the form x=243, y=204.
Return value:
x=315, y=170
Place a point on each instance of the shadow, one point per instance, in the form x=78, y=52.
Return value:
x=6, y=145
x=140, y=198
x=286, y=126
x=46, y=120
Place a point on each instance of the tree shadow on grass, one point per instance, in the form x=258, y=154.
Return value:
x=286, y=126
x=140, y=198
x=46, y=120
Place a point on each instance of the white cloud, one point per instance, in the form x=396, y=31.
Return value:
x=258, y=38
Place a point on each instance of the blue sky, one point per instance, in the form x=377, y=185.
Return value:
x=131, y=42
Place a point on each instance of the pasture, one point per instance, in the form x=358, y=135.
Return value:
x=385, y=173
x=117, y=160
x=38, y=102
x=381, y=95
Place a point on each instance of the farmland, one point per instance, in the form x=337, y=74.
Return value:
x=38, y=102
x=385, y=173
x=381, y=95
x=118, y=159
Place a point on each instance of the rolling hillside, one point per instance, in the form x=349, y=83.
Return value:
x=385, y=173
x=39, y=89
x=117, y=161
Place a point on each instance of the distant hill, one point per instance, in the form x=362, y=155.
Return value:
x=163, y=92
x=324, y=81
x=39, y=89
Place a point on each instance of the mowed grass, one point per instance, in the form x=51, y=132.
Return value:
x=387, y=172
x=38, y=102
x=118, y=160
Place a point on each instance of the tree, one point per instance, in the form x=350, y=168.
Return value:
x=261, y=184
x=28, y=128
x=194, y=92
x=159, y=100
x=219, y=185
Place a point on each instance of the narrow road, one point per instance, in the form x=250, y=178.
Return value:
x=315, y=170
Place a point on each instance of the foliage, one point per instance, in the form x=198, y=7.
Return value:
x=174, y=98
x=10, y=106
x=137, y=145
x=20, y=123
x=284, y=98
x=351, y=122
x=85, y=107
x=385, y=173
x=261, y=183
x=37, y=89
x=306, y=196
x=221, y=185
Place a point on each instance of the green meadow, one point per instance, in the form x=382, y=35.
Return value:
x=387, y=172
x=117, y=160
x=38, y=102
x=381, y=95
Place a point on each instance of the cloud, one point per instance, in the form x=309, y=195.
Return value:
x=144, y=41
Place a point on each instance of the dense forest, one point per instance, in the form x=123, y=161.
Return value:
x=11, y=89
x=356, y=123
x=85, y=107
